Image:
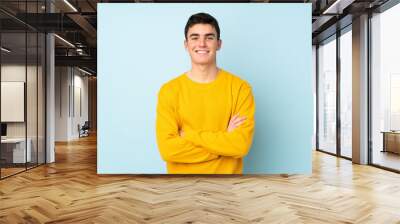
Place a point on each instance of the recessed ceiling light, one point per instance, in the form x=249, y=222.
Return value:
x=337, y=7
x=5, y=50
x=70, y=5
x=86, y=72
x=64, y=40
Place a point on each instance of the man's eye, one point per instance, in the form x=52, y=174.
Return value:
x=194, y=38
x=210, y=38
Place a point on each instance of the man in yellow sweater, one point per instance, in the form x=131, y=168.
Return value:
x=205, y=117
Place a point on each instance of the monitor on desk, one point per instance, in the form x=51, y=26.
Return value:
x=3, y=130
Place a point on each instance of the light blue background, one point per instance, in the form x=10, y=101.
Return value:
x=140, y=47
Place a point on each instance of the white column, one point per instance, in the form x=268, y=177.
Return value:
x=50, y=92
x=360, y=90
x=50, y=110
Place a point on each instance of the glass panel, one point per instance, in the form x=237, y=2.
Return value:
x=31, y=85
x=386, y=89
x=31, y=101
x=327, y=97
x=41, y=98
x=346, y=93
x=13, y=86
x=22, y=88
x=394, y=101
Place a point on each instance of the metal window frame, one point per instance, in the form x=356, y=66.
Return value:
x=337, y=35
x=386, y=6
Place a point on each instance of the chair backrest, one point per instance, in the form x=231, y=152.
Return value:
x=86, y=125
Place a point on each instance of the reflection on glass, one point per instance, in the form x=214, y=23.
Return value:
x=41, y=97
x=386, y=88
x=13, y=85
x=395, y=101
x=31, y=101
x=346, y=94
x=22, y=91
x=327, y=97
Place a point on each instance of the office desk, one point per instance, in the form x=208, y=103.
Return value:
x=391, y=141
x=15, y=148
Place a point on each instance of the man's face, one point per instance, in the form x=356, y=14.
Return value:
x=202, y=44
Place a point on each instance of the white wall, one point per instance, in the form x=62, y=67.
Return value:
x=9, y=73
x=15, y=72
x=61, y=103
x=33, y=127
x=71, y=102
x=80, y=110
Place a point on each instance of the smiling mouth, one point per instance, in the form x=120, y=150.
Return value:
x=202, y=51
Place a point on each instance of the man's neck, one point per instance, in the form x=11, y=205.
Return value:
x=203, y=73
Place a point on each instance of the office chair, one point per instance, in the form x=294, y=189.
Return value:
x=84, y=130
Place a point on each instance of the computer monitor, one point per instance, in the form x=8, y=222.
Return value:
x=3, y=129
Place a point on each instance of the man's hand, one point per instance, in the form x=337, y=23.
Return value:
x=235, y=122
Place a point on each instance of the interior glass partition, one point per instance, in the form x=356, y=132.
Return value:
x=13, y=110
x=31, y=100
x=41, y=107
x=22, y=77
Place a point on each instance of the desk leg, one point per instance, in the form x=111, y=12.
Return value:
x=384, y=142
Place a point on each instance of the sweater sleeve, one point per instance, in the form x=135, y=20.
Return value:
x=236, y=143
x=174, y=148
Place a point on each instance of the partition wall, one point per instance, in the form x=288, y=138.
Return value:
x=22, y=76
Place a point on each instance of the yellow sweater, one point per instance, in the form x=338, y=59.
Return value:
x=203, y=111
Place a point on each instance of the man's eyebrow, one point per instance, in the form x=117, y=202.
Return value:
x=207, y=34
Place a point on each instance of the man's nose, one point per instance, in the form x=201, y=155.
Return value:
x=202, y=42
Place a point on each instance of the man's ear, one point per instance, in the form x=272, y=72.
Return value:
x=219, y=45
x=185, y=44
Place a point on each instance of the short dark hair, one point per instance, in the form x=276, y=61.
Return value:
x=202, y=18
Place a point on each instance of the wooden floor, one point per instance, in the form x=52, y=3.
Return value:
x=5, y=172
x=70, y=191
x=387, y=159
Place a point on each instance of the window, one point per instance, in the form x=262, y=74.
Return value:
x=346, y=93
x=327, y=96
x=385, y=82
